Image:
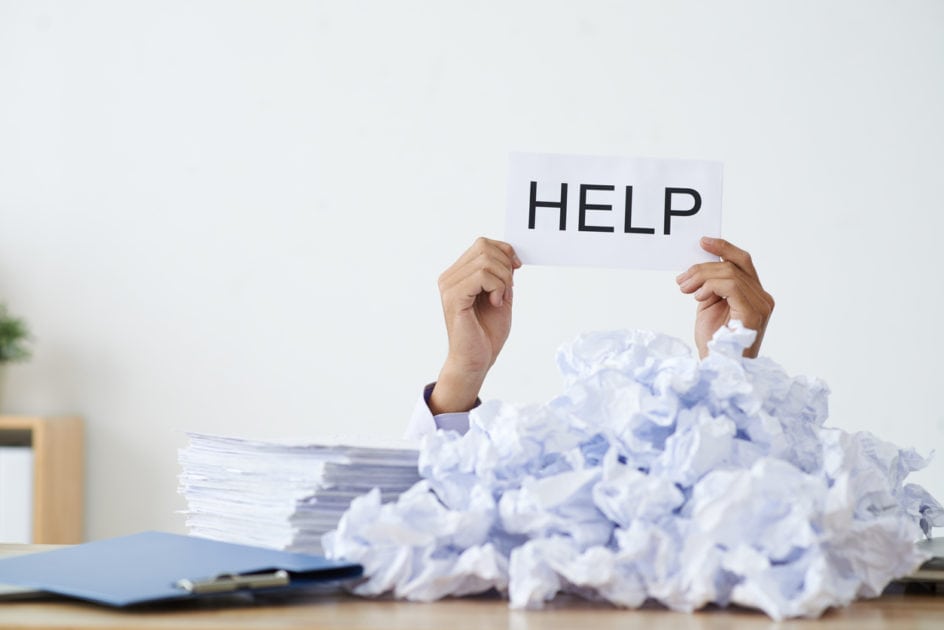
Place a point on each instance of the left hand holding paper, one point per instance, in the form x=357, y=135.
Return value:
x=725, y=291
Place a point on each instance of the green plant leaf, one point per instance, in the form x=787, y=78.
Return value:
x=14, y=337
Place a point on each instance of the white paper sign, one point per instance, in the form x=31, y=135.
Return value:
x=612, y=211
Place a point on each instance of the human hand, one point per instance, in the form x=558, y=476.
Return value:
x=476, y=294
x=726, y=290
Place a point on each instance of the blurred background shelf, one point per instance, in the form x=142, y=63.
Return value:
x=58, y=475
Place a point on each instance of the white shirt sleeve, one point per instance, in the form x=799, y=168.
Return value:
x=423, y=421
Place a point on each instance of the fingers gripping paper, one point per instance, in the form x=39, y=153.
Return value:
x=653, y=475
x=611, y=211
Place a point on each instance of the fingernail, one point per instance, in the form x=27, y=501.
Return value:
x=516, y=259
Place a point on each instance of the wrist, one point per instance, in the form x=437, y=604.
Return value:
x=456, y=390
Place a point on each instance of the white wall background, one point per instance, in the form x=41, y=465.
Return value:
x=230, y=216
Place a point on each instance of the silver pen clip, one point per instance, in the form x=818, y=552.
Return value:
x=227, y=582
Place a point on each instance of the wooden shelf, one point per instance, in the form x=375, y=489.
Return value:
x=58, y=473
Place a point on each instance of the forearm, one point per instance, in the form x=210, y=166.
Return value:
x=456, y=390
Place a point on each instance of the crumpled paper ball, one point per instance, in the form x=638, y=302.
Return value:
x=653, y=476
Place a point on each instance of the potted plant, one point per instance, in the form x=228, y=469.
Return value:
x=14, y=342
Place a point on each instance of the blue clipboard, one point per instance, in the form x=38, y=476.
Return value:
x=157, y=566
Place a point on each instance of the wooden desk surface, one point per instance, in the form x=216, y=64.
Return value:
x=339, y=611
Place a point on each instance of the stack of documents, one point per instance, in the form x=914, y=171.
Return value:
x=283, y=495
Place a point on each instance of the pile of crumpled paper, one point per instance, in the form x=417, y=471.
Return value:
x=653, y=476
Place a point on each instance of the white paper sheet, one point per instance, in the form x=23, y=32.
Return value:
x=611, y=211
